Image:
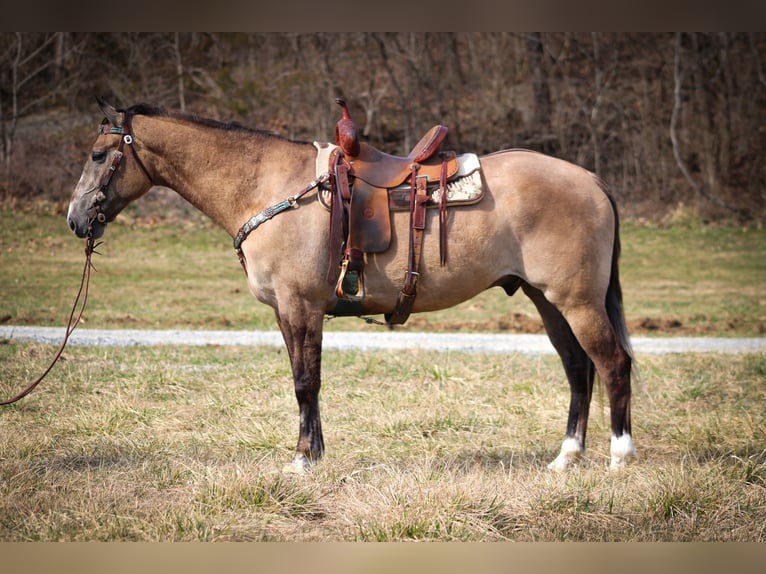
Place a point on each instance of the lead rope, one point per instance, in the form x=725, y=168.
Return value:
x=90, y=249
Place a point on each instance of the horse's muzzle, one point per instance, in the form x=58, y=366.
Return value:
x=84, y=226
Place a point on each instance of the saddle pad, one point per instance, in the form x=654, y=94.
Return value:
x=465, y=189
x=324, y=150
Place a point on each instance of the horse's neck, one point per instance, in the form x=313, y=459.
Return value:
x=223, y=173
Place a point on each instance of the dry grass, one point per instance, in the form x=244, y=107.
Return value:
x=187, y=444
x=179, y=443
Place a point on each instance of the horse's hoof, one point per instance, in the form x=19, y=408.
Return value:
x=299, y=465
x=620, y=462
x=622, y=452
x=571, y=453
x=559, y=465
x=294, y=468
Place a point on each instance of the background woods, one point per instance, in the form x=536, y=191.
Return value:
x=671, y=121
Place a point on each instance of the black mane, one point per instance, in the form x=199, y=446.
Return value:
x=152, y=110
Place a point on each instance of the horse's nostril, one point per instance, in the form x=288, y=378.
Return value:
x=71, y=224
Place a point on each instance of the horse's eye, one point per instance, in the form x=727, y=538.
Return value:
x=98, y=156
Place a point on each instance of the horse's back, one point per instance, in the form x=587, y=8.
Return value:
x=539, y=185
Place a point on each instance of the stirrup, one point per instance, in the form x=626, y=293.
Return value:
x=350, y=285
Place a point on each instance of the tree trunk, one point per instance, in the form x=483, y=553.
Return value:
x=678, y=78
x=179, y=72
x=540, y=89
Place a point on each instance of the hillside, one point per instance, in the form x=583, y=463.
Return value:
x=676, y=123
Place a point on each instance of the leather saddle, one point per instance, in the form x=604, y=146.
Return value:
x=364, y=180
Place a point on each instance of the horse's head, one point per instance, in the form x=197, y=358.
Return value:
x=110, y=179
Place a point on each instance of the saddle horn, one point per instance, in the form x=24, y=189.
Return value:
x=346, y=135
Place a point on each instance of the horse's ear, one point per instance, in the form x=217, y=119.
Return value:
x=115, y=118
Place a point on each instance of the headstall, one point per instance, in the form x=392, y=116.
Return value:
x=126, y=139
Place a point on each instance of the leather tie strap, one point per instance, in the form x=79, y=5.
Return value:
x=443, y=212
x=418, y=204
x=74, y=318
x=418, y=201
x=339, y=189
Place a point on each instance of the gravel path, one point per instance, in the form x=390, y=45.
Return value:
x=474, y=343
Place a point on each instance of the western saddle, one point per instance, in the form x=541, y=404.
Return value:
x=367, y=184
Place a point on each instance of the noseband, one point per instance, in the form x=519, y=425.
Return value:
x=127, y=139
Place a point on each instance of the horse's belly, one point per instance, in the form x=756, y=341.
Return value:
x=476, y=258
x=431, y=295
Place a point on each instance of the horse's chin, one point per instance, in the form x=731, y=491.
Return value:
x=96, y=229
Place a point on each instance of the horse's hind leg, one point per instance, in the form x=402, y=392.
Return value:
x=594, y=331
x=579, y=372
x=302, y=332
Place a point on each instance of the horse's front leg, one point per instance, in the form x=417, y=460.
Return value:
x=302, y=332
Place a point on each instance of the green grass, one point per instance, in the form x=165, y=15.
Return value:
x=711, y=280
x=187, y=443
x=181, y=272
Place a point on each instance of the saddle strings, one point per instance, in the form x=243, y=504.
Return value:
x=90, y=249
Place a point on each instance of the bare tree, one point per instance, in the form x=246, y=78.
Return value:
x=179, y=71
x=385, y=44
x=679, y=74
x=602, y=80
x=23, y=59
x=542, y=94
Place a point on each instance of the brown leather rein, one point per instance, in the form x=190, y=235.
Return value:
x=95, y=214
x=74, y=318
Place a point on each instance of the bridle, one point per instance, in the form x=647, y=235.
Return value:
x=125, y=131
x=95, y=214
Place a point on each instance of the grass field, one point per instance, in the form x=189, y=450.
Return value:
x=182, y=273
x=176, y=443
x=187, y=443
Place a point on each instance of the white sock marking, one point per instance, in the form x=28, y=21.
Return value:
x=571, y=451
x=622, y=451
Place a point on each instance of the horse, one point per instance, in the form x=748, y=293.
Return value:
x=545, y=226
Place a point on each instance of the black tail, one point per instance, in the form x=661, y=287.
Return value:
x=614, y=306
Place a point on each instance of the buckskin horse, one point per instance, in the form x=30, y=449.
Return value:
x=543, y=225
